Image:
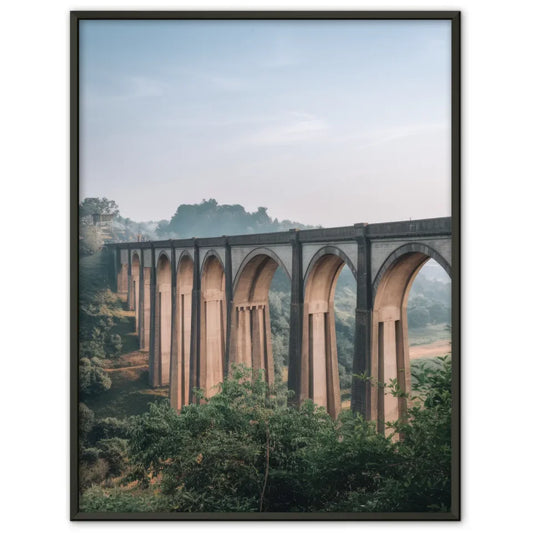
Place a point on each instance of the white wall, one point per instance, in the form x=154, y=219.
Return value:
x=497, y=105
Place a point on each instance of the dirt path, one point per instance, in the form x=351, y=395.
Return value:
x=435, y=349
x=122, y=369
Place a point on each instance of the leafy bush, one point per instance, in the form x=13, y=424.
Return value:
x=240, y=451
x=108, y=428
x=115, y=344
x=97, y=499
x=89, y=456
x=92, y=472
x=114, y=452
x=86, y=420
x=93, y=379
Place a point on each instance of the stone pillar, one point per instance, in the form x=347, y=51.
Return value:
x=140, y=311
x=212, y=343
x=194, y=366
x=319, y=366
x=296, y=314
x=175, y=374
x=183, y=348
x=387, y=365
x=164, y=330
x=131, y=296
x=113, y=255
x=144, y=332
x=122, y=276
x=154, y=369
x=361, y=390
x=229, y=306
x=251, y=338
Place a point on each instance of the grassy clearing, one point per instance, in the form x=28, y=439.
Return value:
x=130, y=392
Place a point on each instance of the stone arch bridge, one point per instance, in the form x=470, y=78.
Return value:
x=201, y=304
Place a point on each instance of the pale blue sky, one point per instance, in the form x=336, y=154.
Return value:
x=323, y=122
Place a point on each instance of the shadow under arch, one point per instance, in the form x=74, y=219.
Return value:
x=181, y=347
x=319, y=364
x=262, y=252
x=162, y=321
x=251, y=335
x=390, y=341
x=210, y=253
x=212, y=323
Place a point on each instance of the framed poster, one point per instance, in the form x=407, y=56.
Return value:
x=265, y=265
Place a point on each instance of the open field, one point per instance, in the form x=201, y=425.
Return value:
x=435, y=349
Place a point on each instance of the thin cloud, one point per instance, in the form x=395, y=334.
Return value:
x=301, y=127
x=387, y=135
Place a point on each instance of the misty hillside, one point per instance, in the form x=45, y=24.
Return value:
x=205, y=219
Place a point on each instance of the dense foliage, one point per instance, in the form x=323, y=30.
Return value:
x=241, y=451
x=209, y=219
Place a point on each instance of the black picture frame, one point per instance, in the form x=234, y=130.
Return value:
x=455, y=18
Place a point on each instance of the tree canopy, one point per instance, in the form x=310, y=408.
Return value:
x=210, y=219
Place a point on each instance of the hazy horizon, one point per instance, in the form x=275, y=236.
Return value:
x=323, y=122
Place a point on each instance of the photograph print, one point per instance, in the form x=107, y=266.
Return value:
x=265, y=265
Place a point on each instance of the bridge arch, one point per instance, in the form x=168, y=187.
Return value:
x=212, y=323
x=251, y=336
x=163, y=320
x=209, y=254
x=329, y=250
x=259, y=252
x=390, y=341
x=319, y=364
x=412, y=247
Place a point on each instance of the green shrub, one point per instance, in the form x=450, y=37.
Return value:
x=115, y=345
x=241, y=451
x=89, y=456
x=108, y=428
x=97, y=499
x=114, y=451
x=86, y=421
x=93, y=379
x=93, y=473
